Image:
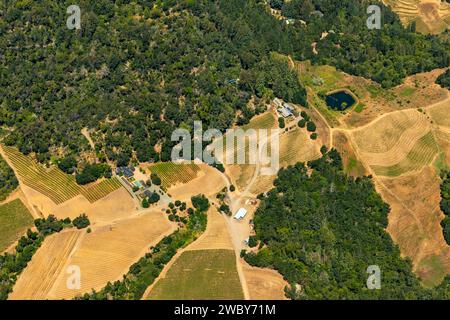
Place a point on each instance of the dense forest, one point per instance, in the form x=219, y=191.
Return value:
x=8, y=181
x=136, y=70
x=343, y=39
x=322, y=229
x=133, y=73
x=445, y=205
x=444, y=80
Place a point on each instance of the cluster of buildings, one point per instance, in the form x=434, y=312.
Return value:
x=139, y=187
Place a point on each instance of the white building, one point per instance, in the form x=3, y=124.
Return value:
x=240, y=214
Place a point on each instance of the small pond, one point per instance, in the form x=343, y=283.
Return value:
x=340, y=100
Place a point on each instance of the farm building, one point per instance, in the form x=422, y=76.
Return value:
x=286, y=110
x=126, y=171
x=240, y=214
x=148, y=193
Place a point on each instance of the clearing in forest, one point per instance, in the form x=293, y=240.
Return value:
x=15, y=219
x=53, y=183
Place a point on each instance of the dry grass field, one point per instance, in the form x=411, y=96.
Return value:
x=241, y=174
x=414, y=222
x=209, y=181
x=103, y=255
x=391, y=130
x=422, y=154
x=15, y=219
x=264, y=284
x=397, y=143
x=118, y=204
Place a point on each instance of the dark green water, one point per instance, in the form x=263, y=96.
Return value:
x=340, y=100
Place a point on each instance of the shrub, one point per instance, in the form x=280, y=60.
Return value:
x=81, y=222
x=311, y=126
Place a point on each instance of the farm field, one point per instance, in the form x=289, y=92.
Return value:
x=296, y=146
x=266, y=120
x=15, y=219
x=216, y=235
x=200, y=275
x=422, y=154
x=391, y=130
x=48, y=262
x=173, y=173
x=54, y=183
x=397, y=143
x=103, y=255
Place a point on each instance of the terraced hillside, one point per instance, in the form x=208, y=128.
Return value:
x=54, y=183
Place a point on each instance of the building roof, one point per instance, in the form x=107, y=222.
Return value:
x=285, y=112
x=148, y=193
x=241, y=213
